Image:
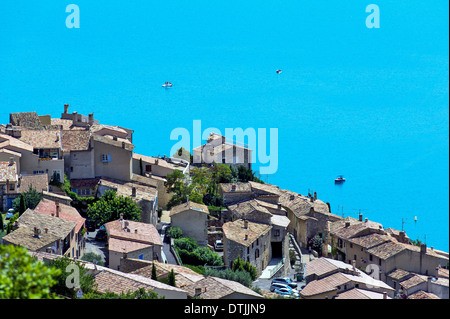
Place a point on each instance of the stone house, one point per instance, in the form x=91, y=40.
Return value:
x=328, y=279
x=218, y=288
x=219, y=150
x=130, y=239
x=145, y=197
x=69, y=213
x=248, y=240
x=45, y=233
x=192, y=218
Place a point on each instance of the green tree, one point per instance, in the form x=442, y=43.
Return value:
x=22, y=205
x=23, y=276
x=174, y=232
x=239, y=265
x=86, y=280
x=137, y=294
x=178, y=185
x=171, y=278
x=91, y=257
x=31, y=197
x=110, y=206
x=154, y=275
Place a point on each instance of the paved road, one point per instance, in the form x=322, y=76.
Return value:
x=97, y=247
x=167, y=254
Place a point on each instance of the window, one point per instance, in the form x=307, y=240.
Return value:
x=11, y=187
x=276, y=233
x=370, y=257
x=248, y=250
x=379, y=262
x=351, y=245
x=256, y=253
x=106, y=158
x=148, y=168
x=141, y=256
x=257, y=241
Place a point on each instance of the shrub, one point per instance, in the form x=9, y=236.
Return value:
x=174, y=232
x=240, y=276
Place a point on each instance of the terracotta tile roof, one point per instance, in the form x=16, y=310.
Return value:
x=125, y=144
x=442, y=272
x=323, y=266
x=183, y=275
x=399, y=274
x=125, y=246
x=75, y=140
x=386, y=250
x=125, y=188
x=423, y=295
x=357, y=293
x=415, y=280
x=39, y=182
x=239, y=187
x=218, y=288
x=301, y=205
x=24, y=236
x=369, y=241
x=8, y=172
x=244, y=210
x=167, y=163
x=236, y=232
x=144, y=180
x=268, y=188
x=42, y=138
x=146, y=233
x=68, y=213
x=55, y=226
x=84, y=183
x=357, y=229
x=7, y=142
x=65, y=123
x=331, y=283
x=189, y=206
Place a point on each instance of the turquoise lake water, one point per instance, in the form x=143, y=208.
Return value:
x=371, y=104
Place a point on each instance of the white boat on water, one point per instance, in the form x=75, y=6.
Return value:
x=167, y=85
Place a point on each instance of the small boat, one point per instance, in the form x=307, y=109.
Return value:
x=279, y=71
x=339, y=179
x=167, y=85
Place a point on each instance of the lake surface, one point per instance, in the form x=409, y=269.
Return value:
x=371, y=104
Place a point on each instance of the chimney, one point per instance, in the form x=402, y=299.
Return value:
x=246, y=237
x=315, y=195
x=156, y=161
x=91, y=119
x=360, y=217
x=311, y=211
x=423, y=249
x=133, y=191
x=66, y=108
x=46, y=230
x=124, y=254
x=136, y=231
x=347, y=224
x=36, y=232
x=58, y=209
x=384, y=295
x=291, y=197
x=366, y=220
x=246, y=224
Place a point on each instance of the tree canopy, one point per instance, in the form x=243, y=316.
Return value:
x=110, y=206
x=22, y=276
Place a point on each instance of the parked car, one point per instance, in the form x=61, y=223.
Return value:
x=277, y=285
x=287, y=292
x=101, y=235
x=218, y=245
x=90, y=225
x=286, y=281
